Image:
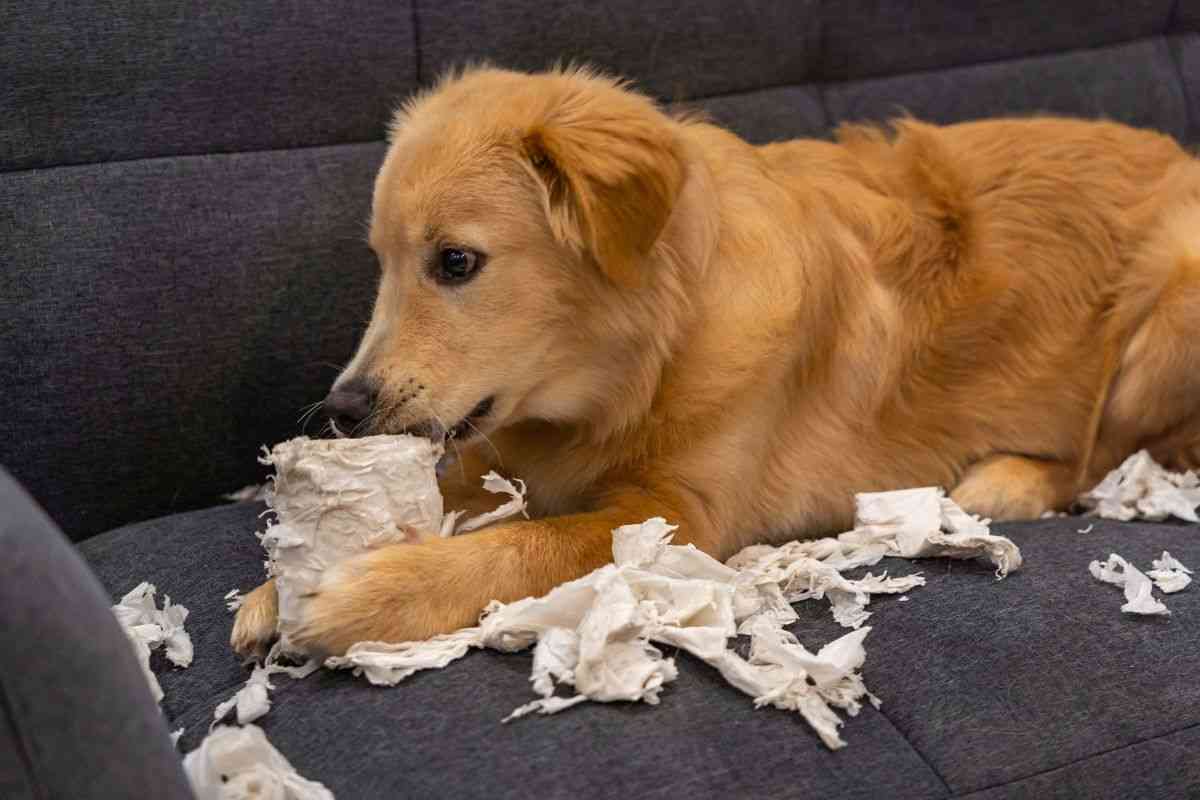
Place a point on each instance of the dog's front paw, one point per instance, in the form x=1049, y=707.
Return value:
x=1009, y=487
x=400, y=593
x=254, y=625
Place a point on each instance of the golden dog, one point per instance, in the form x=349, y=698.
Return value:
x=643, y=315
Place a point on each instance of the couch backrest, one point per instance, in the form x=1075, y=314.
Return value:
x=183, y=185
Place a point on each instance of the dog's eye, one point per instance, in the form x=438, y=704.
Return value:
x=455, y=265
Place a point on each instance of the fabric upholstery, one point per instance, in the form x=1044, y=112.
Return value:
x=170, y=316
x=182, y=195
x=131, y=80
x=1033, y=686
x=76, y=716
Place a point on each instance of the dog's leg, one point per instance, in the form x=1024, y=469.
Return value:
x=1009, y=487
x=254, y=625
x=1155, y=399
x=409, y=592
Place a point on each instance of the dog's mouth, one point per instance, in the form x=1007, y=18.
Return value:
x=465, y=428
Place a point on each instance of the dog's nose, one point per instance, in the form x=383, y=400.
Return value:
x=348, y=405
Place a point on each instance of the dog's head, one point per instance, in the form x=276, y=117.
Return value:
x=515, y=220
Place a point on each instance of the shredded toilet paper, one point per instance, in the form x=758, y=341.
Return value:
x=233, y=599
x=149, y=628
x=1139, y=597
x=240, y=764
x=253, y=699
x=1142, y=489
x=598, y=634
x=1169, y=575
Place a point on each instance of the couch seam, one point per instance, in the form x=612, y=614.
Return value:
x=936, y=772
x=22, y=747
x=817, y=86
x=1080, y=760
x=206, y=154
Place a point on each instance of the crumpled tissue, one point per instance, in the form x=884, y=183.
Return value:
x=253, y=699
x=1142, y=489
x=1169, y=575
x=1138, y=588
x=240, y=764
x=149, y=627
x=598, y=634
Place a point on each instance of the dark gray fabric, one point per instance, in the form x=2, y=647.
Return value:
x=1023, y=685
x=76, y=717
x=1165, y=767
x=673, y=50
x=769, y=115
x=161, y=319
x=124, y=80
x=868, y=38
x=1132, y=83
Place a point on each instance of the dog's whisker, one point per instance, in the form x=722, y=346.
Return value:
x=484, y=436
x=462, y=471
x=307, y=413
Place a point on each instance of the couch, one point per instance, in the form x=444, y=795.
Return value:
x=182, y=195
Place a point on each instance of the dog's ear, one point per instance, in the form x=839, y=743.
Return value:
x=612, y=169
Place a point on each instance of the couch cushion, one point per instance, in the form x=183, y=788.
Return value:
x=163, y=318
x=127, y=80
x=1013, y=688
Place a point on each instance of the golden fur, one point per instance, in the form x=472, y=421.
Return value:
x=737, y=338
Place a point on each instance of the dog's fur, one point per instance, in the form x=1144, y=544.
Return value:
x=676, y=323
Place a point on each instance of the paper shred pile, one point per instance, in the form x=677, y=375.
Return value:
x=1142, y=489
x=598, y=634
x=149, y=627
x=1168, y=575
x=240, y=764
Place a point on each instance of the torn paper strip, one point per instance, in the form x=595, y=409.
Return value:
x=515, y=505
x=253, y=700
x=240, y=764
x=254, y=493
x=1142, y=489
x=1138, y=588
x=149, y=628
x=233, y=599
x=1169, y=575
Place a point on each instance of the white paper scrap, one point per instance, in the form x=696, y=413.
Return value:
x=1138, y=588
x=495, y=484
x=1169, y=575
x=234, y=599
x=149, y=628
x=1142, y=489
x=240, y=764
x=253, y=700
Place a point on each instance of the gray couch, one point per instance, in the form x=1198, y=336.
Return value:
x=182, y=189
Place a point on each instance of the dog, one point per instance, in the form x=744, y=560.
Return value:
x=643, y=315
